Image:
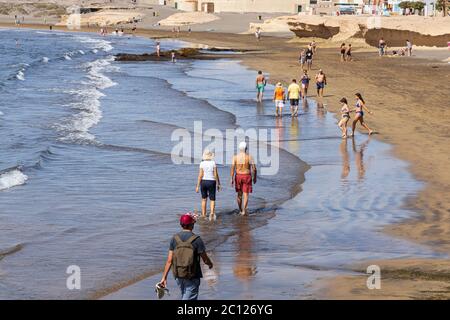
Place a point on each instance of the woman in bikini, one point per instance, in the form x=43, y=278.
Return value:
x=345, y=111
x=360, y=106
x=305, y=84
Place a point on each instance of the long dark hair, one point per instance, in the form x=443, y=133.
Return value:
x=343, y=100
x=360, y=97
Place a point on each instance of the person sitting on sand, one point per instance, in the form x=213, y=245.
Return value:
x=279, y=97
x=208, y=181
x=260, y=85
x=187, y=276
x=359, y=114
x=345, y=117
x=243, y=172
x=343, y=49
x=305, y=84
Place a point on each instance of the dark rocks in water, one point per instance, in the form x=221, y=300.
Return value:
x=184, y=53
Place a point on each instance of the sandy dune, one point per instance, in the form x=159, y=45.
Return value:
x=188, y=18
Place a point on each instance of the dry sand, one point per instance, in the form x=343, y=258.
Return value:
x=188, y=18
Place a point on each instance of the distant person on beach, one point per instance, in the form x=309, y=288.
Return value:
x=321, y=81
x=243, y=173
x=305, y=83
x=185, y=251
x=409, y=48
x=294, y=97
x=260, y=85
x=345, y=117
x=348, y=53
x=258, y=34
x=208, y=181
x=382, y=47
x=314, y=46
x=359, y=114
x=158, y=49
x=173, y=57
x=279, y=97
x=343, y=49
x=302, y=59
x=309, y=57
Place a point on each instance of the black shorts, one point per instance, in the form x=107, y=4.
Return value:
x=294, y=102
x=208, y=187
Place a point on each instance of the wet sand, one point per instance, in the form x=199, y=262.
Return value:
x=409, y=108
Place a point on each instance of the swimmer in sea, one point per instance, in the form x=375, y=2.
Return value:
x=359, y=114
x=260, y=85
x=345, y=117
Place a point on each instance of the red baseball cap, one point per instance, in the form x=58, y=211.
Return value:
x=187, y=219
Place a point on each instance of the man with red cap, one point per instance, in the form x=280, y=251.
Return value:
x=185, y=251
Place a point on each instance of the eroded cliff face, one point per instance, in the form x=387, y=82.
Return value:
x=358, y=28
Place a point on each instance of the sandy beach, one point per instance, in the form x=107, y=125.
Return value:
x=409, y=99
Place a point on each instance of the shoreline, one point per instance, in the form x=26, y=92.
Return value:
x=430, y=203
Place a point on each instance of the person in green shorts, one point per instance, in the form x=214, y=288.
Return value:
x=260, y=85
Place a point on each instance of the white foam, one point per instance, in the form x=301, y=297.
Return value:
x=88, y=102
x=45, y=60
x=98, y=44
x=95, y=51
x=81, y=51
x=20, y=75
x=67, y=57
x=1, y=113
x=12, y=178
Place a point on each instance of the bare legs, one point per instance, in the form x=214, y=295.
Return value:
x=343, y=125
x=361, y=120
x=212, y=205
x=242, y=201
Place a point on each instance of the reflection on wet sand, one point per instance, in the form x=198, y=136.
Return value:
x=294, y=133
x=345, y=159
x=321, y=111
x=260, y=108
x=359, y=158
x=244, y=263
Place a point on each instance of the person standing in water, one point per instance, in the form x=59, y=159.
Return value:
x=260, y=85
x=345, y=117
x=173, y=57
x=294, y=97
x=305, y=84
x=408, y=48
x=359, y=111
x=158, y=49
x=208, y=181
x=321, y=81
x=279, y=97
x=243, y=173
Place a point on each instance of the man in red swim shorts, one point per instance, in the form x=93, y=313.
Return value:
x=243, y=172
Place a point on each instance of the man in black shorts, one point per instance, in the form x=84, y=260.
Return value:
x=294, y=93
x=309, y=57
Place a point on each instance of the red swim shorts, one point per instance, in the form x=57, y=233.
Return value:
x=243, y=182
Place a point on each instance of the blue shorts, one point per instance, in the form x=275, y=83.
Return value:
x=320, y=85
x=208, y=188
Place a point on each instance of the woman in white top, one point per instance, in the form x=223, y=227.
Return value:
x=208, y=181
